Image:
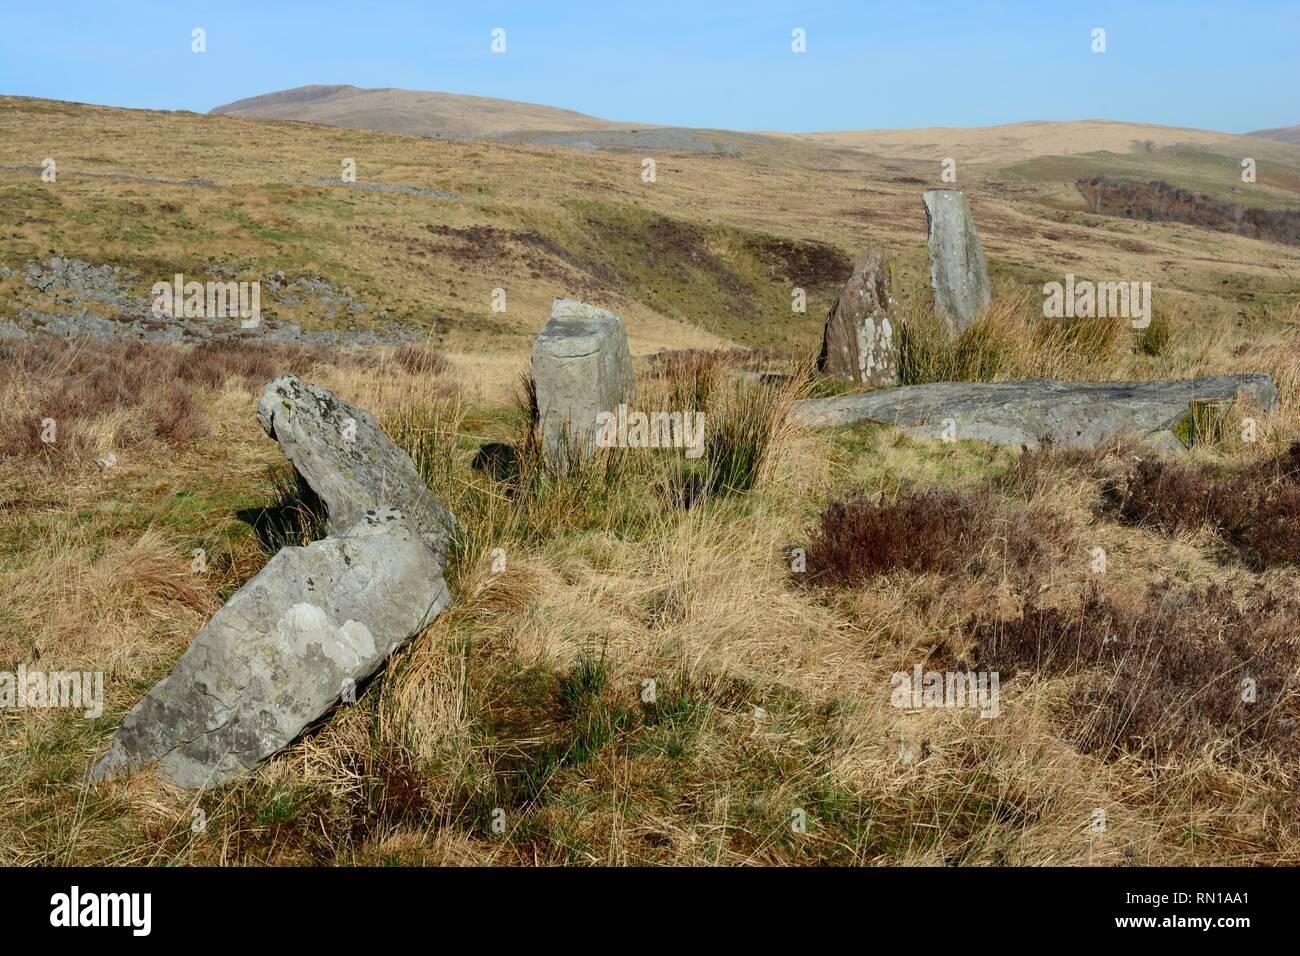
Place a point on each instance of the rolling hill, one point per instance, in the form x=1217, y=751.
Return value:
x=411, y=112
x=1283, y=134
x=454, y=115
x=1015, y=142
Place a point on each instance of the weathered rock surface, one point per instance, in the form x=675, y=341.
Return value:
x=858, y=340
x=285, y=647
x=58, y=295
x=346, y=459
x=581, y=367
x=314, y=622
x=959, y=273
x=1071, y=414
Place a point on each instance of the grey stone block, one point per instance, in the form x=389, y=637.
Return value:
x=581, y=367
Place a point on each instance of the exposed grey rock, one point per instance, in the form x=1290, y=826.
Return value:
x=959, y=273
x=581, y=367
x=316, y=620
x=314, y=623
x=858, y=340
x=345, y=458
x=57, y=292
x=1071, y=414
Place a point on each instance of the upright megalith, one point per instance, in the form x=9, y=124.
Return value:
x=859, y=340
x=959, y=273
x=316, y=621
x=581, y=367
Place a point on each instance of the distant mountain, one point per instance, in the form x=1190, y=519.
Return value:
x=419, y=113
x=412, y=112
x=1283, y=134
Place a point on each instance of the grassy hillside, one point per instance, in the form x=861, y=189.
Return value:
x=772, y=684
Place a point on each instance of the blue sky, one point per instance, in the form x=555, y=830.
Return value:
x=1232, y=66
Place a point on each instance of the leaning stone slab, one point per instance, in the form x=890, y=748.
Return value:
x=312, y=624
x=959, y=273
x=581, y=367
x=1070, y=414
x=343, y=455
x=858, y=340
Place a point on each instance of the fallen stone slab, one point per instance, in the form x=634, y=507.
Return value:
x=959, y=273
x=858, y=339
x=345, y=458
x=1070, y=414
x=310, y=626
x=581, y=367
x=316, y=621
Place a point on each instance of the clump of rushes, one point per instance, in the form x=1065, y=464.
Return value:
x=745, y=420
x=1010, y=340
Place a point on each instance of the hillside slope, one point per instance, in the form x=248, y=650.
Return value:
x=708, y=253
x=649, y=676
x=1282, y=134
x=1014, y=142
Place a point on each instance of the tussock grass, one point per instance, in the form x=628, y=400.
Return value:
x=1010, y=340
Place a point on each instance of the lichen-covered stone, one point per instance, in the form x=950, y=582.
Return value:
x=959, y=273
x=581, y=367
x=313, y=623
x=343, y=455
x=288, y=645
x=859, y=338
x=1070, y=414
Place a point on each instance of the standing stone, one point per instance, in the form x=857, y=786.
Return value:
x=959, y=273
x=316, y=621
x=581, y=367
x=858, y=340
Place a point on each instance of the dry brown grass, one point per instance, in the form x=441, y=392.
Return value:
x=1182, y=673
x=1010, y=340
x=526, y=696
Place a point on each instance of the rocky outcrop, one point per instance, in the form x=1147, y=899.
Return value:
x=581, y=367
x=959, y=273
x=316, y=621
x=69, y=298
x=859, y=338
x=1070, y=414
